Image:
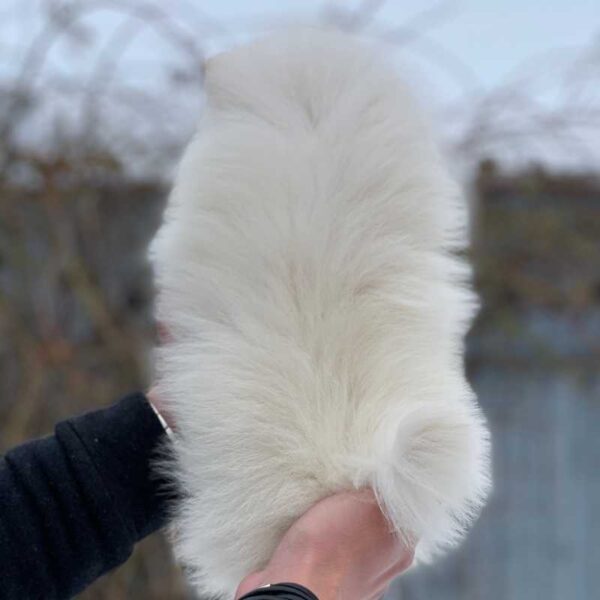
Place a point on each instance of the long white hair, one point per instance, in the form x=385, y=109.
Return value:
x=307, y=272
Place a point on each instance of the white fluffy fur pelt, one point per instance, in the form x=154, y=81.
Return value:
x=307, y=275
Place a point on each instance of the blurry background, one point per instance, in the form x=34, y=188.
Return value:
x=97, y=99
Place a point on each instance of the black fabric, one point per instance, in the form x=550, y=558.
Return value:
x=73, y=505
x=283, y=591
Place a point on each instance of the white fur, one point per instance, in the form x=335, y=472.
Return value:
x=307, y=274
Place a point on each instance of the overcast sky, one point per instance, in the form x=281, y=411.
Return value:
x=464, y=50
x=490, y=36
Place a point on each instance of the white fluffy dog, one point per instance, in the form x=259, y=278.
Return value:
x=308, y=277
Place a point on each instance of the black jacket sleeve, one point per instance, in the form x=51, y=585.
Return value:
x=73, y=505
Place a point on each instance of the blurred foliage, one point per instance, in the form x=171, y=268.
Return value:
x=537, y=240
x=75, y=315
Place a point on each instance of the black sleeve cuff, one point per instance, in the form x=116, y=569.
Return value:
x=122, y=441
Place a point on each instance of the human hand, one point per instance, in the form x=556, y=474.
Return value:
x=342, y=548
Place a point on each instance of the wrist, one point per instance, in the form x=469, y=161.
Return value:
x=310, y=563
